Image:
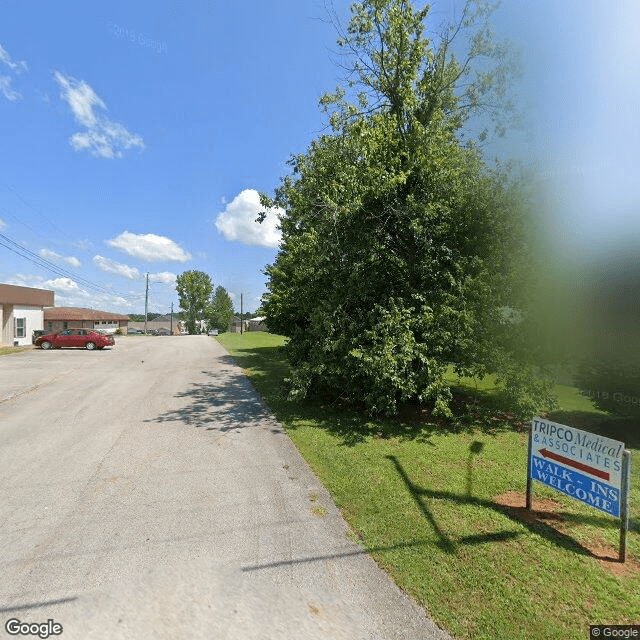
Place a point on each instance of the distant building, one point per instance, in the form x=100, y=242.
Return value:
x=162, y=323
x=59, y=318
x=259, y=323
x=201, y=327
x=237, y=325
x=21, y=312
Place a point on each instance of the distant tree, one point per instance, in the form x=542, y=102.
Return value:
x=220, y=310
x=194, y=290
x=139, y=317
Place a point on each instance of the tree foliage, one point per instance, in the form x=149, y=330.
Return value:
x=400, y=245
x=194, y=290
x=220, y=310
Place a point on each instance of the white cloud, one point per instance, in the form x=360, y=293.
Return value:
x=69, y=294
x=164, y=277
x=103, y=138
x=5, y=81
x=56, y=257
x=149, y=247
x=26, y=280
x=62, y=284
x=3, y=224
x=238, y=221
x=7, y=91
x=84, y=245
x=116, y=267
x=17, y=67
x=104, y=301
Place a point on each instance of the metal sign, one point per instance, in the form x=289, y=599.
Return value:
x=580, y=464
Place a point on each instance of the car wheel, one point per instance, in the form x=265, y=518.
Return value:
x=46, y=345
x=90, y=346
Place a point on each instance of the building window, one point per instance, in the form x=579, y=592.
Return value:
x=65, y=325
x=21, y=328
x=49, y=325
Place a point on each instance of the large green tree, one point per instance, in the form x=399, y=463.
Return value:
x=400, y=245
x=194, y=291
x=220, y=310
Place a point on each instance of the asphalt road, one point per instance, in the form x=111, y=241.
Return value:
x=147, y=492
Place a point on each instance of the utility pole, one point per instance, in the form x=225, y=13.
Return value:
x=146, y=305
x=241, y=318
x=172, y=318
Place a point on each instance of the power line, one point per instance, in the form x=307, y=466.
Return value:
x=43, y=263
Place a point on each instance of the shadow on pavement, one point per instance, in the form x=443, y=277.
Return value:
x=36, y=605
x=228, y=401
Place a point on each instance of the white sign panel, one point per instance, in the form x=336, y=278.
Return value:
x=583, y=465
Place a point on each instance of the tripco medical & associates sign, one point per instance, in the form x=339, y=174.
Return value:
x=582, y=465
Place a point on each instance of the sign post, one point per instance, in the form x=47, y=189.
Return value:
x=624, y=515
x=585, y=466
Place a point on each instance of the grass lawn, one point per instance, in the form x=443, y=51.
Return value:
x=441, y=511
x=6, y=350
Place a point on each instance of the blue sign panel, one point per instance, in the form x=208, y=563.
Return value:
x=593, y=492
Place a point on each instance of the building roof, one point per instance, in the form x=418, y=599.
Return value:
x=11, y=294
x=79, y=313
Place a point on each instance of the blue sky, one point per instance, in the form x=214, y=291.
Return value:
x=135, y=136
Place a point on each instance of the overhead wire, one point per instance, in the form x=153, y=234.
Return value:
x=43, y=263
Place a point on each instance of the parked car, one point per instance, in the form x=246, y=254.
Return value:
x=81, y=338
x=161, y=332
x=134, y=332
x=213, y=332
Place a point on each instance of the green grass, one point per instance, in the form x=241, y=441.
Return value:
x=422, y=500
x=7, y=350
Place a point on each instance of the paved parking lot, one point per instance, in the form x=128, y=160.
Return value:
x=147, y=492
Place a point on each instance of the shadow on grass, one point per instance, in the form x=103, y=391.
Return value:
x=475, y=410
x=535, y=521
x=345, y=418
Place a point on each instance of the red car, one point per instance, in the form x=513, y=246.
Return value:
x=83, y=338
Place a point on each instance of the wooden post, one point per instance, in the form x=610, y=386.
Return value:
x=625, y=486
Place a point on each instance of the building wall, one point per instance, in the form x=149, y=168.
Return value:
x=21, y=307
x=5, y=326
x=19, y=321
x=52, y=326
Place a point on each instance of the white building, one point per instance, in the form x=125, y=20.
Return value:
x=21, y=311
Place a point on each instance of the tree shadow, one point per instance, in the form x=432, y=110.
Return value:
x=534, y=521
x=228, y=402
